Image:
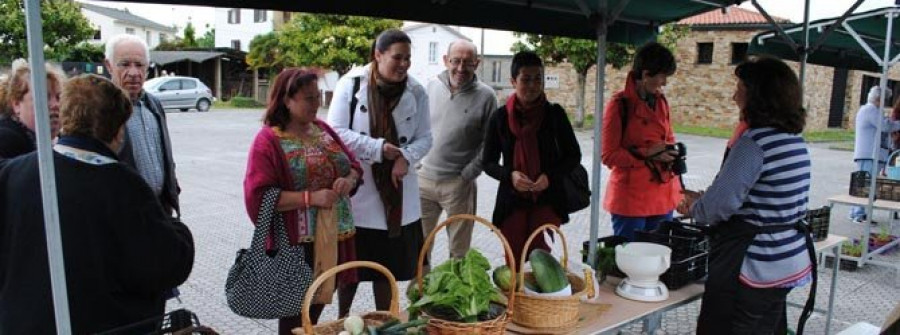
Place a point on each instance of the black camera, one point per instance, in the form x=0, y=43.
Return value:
x=679, y=165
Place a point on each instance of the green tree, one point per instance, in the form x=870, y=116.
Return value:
x=582, y=54
x=208, y=40
x=189, y=40
x=337, y=42
x=85, y=52
x=63, y=24
x=265, y=53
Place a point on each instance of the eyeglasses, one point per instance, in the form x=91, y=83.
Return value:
x=466, y=63
x=124, y=64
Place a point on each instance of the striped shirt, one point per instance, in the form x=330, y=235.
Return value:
x=764, y=181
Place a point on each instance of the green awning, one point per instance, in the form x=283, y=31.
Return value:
x=636, y=22
x=851, y=45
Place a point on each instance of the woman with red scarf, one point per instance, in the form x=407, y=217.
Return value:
x=643, y=189
x=305, y=161
x=538, y=148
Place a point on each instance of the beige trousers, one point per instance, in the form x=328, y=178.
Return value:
x=455, y=196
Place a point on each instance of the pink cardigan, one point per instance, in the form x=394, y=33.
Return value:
x=268, y=167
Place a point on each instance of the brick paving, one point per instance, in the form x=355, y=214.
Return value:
x=211, y=149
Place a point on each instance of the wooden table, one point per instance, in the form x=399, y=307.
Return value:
x=609, y=312
x=867, y=255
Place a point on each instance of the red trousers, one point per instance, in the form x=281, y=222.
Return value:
x=521, y=223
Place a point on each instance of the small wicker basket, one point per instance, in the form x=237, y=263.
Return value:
x=547, y=312
x=494, y=326
x=370, y=319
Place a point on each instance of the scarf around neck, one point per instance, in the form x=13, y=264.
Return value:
x=524, y=122
x=383, y=98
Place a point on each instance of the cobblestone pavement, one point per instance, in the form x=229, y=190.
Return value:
x=211, y=149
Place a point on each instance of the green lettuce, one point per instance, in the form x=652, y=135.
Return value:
x=462, y=288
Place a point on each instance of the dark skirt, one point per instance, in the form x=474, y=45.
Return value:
x=400, y=254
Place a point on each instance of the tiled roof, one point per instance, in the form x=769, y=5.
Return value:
x=424, y=25
x=733, y=16
x=126, y=17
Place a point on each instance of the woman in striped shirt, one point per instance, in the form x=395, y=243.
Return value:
x=761, y=248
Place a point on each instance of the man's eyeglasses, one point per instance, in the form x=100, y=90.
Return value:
x=466, y=63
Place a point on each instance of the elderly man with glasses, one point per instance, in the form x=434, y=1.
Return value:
x=460, y=106
x=147, y=147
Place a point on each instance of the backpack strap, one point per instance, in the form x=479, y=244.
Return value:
x=353, y=100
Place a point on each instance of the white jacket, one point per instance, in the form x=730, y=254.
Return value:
x=411, y=119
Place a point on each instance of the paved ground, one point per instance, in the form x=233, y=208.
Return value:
x=211, y=149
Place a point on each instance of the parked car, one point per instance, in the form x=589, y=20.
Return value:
x=180, y=92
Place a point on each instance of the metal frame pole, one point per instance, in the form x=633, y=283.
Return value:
x=45, y=166
x=596, y=165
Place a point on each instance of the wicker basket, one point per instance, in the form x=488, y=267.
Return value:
x=370, y=319
x=494, y=326
x=550, y=313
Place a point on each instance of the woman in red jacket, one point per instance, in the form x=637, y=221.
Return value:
x=637, y=135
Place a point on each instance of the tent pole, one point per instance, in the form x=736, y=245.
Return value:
x=45, y=166
x=876, y=150
x=804, y=54
x=596, y=165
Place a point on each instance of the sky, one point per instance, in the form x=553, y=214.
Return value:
x=497, y=42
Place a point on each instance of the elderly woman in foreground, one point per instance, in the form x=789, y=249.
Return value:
x=761, y=248
x=121, y=251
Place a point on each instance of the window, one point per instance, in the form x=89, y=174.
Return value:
x=97, y=35
x=236, y=44
x=234, y=16
x=738, y=52
x=147, y=36
x=432, y=52
x=704, y=53
x=496, y=73
x=871, y=81
x=129, y=31
x=171, y=85
x=163, y=37
x=188, y=84
x=287, y=16
x=259, y=15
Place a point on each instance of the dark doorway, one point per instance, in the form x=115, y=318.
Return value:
x=838, y=97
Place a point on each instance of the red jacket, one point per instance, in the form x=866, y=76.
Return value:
x=631, y=190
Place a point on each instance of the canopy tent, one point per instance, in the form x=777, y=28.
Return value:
x=168, y=57
x=863, y=41
x=624, y=21
x=855, y=43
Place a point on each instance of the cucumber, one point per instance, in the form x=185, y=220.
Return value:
x=502, y=277
x=550, y=275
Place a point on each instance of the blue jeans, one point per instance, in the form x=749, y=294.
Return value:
x=626, y=225
x=859, y=212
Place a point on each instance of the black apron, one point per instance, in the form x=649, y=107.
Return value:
x=729, y=242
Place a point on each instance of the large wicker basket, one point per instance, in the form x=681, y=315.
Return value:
x=370, y=319
x=545, y=312
x=495, y=326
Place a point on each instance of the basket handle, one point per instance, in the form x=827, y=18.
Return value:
x=310, y=293
x=459, y=218
x=534, y=234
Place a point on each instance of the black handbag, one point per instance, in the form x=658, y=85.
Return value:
x=578, y=192
x=268, y=284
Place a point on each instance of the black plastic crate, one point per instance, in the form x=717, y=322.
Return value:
x=685, y=240
x=610, y=242
x=819, y=220
x=686, y=271
x=885, y=189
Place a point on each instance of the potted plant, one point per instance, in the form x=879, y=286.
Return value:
x=880, y=239
x=849, y=248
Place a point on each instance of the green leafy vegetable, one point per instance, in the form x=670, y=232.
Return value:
x=461, y=286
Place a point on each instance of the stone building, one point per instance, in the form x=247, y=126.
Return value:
x=700, y=91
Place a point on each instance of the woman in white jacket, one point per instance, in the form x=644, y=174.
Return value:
x=382, y=115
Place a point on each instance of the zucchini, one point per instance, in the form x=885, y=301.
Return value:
x=502, y=277
x=550, y=275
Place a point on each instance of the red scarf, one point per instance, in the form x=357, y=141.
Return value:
x=524, y=122
x=739, y=130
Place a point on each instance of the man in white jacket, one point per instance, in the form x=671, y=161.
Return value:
x=460, y=107
x=867, y=120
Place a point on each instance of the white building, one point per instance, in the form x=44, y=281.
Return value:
x=236, y=27
x=429, y=44
x=108, y=22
